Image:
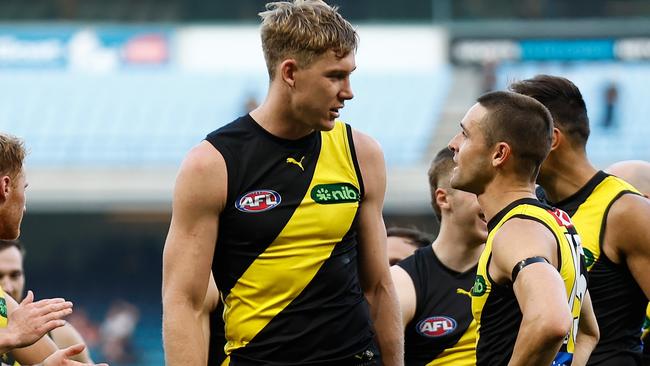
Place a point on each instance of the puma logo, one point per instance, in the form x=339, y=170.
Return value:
x=463, y=292
x=296, y=162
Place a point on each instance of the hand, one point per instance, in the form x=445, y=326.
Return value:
x=30, y=321
x=60, y=357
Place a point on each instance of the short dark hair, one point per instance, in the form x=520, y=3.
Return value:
x=564, y=100
x=6, y=244
x=523, y=123
x=440, y=175
x=415, y=236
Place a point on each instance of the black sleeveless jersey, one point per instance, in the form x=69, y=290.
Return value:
x=286, y=255
x=216, y=353
x=442, y=331
x=618, y=301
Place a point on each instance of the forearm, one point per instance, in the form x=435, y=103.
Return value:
x=7, y=341
x=182, y=334
x=585, y=344
x=388, y=324
x=535, y=345
x=35, y=353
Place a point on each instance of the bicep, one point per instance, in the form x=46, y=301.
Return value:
x=540, y=290
x=628, y=221
x=405, y=293
x=372, y=231
x=199, y=194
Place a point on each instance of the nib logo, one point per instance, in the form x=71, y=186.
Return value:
x=326, y=194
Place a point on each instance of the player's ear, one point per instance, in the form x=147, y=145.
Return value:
x=441, y=198
x=500, y=153
x=288, y=70
x=558, y=138
x=5, y=187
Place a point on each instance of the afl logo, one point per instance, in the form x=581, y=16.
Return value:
x=436, y=326
x=258, y=201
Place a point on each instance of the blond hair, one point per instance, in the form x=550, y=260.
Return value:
x=12, y=154
x=304, y=29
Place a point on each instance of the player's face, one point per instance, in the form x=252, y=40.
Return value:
x=13, y=208
x=466, y=213
x=399, y=248
x=322, y=88
x=12, y=278
x=471, y=154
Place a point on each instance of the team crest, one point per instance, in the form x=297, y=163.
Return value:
x=3, y=307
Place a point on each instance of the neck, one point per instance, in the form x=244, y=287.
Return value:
x=568, y=172
x=502, y=191
x=276, y=116
x=455, y=249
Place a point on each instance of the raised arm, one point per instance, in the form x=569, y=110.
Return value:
x=199, y=197
x=68, y=336
x=30, y=321
x=374, y=271
x=538, y=287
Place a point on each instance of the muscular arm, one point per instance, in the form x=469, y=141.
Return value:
x=539, y=289
x=588, y=333
x=199, y=197
x=209, y=305
x=628, y=236
x=405, y=293
x=374, y=271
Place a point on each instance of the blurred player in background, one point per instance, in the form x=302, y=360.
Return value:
x=403, y=241
x=285, y=204
x=531, y=267
x=12, y=280
x=23, y=327
x=610, y=215
x=434, y=284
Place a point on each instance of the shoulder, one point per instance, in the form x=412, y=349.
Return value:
x=202, y=177
x=627, y=222
x=366, y=147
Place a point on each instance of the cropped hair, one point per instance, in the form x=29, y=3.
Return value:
x=523, y=123
x=440, y=175
x=304, y=30
x=564, y=100
x=12, y=154
x=415, y=236
x=6, y=244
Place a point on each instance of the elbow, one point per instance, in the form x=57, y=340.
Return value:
x=556, y=328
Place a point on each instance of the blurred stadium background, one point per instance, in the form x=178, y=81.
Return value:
x=109, y=95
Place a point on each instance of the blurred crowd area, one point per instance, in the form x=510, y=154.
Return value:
x=246, y=10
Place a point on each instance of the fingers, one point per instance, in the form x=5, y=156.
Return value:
x=74, y=350
x=50, y=325
x=28, y=299
x=53, y=306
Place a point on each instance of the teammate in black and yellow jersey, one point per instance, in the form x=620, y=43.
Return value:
x=284, y=205
x=610, y=216
x=637, y=173
x=530, y=292
x=433, y=285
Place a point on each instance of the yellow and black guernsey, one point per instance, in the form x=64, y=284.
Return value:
x=442, y=331
x=7, y=359
x=495, y=306
x=286, y=255
x=619, y=303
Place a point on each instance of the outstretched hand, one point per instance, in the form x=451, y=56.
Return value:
x=61, y=357
x=30, y=321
